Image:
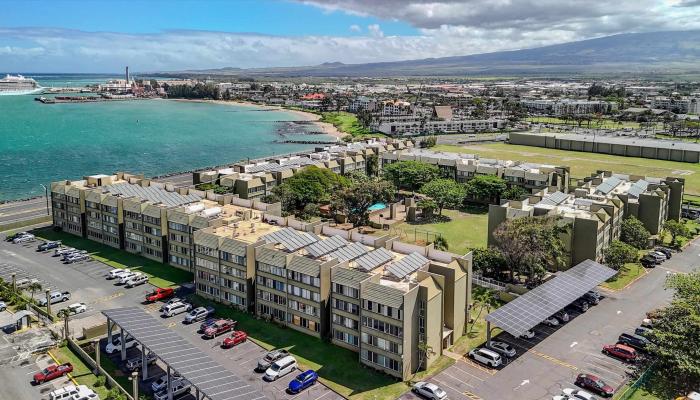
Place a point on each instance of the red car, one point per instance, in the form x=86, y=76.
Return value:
x=160, y=294
x=219, y=327
x=620, y=351
x=594, y=384
x=236, y=337
x=52, y=372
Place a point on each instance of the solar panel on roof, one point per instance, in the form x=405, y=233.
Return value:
x=528, y=310
x=638, y=188
x=290, y=239
x=407, y=265
x=608, y=185
x=349, y=252
x=323, y=247
x=553, y=199
x=374, y=259
x=583, y=202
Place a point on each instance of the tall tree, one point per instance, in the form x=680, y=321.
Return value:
x=486, y=187
x=618, y=254
x=633, y=232
x=410, y=175
x=531, y=245
x=488, y=261
x=356, y=199
x=311, y=185
x=676, y=229
x=445, y=193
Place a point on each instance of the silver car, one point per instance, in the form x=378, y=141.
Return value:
x=502, y=348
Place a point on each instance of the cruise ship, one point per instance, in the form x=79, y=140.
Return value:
x=15, y=85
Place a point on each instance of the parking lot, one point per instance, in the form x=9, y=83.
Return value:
x=87, y=283
x=550, y=362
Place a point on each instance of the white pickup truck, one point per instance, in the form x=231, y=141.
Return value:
x=56, y=297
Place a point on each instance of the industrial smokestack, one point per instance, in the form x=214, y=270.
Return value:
x=127, y=74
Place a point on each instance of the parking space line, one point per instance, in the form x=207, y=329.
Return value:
x=477, y=366
x=323, y=395
x=457, y=379
x=553, y=359
x=469, y=373
x=445, y=384
x=471, y=395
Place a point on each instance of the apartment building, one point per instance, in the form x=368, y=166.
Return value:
x=677, y=105
x=375, y=296
x=568, y=106
x=463, y=167
x=416, y=126
x=143, y=217
x=595, y=207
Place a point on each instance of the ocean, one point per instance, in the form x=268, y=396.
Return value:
x=42, y=143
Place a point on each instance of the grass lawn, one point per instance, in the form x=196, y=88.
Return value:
x=81, y=371
x=693, y=227
x=653, y=389
x=605, y=123
x=161, y=275
x=583, y=164
x=465, y=229
x=625, y=275
x=347, y=122
x=338, y=368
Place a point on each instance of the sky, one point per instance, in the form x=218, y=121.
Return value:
x=168, y=35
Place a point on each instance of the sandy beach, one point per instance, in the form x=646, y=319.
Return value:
x=324, y=127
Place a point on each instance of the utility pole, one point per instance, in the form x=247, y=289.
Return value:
x=46, y=194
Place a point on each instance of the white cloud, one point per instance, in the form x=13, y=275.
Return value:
x=375, y=30
x=355, y=28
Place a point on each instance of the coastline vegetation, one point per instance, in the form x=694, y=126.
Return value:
x=348, y=123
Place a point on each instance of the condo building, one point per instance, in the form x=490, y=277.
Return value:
x=463, y=167
x=594, y=210
x=373, y=295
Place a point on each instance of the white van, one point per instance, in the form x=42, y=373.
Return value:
x=486, y=357
x=63, y=393
x=139, y=279
x=176, y=308
x=85, y=393
x=126, y=276
x=281, y=368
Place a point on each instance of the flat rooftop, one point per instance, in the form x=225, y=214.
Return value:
x=624, y=140
x=152, y=194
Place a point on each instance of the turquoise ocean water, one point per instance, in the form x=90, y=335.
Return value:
x=41, y=143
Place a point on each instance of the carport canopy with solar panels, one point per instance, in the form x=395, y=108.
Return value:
x=533, y=307
x=209, y=379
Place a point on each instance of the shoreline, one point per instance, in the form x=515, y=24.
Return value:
x=324, y=127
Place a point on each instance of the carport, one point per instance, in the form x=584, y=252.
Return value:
x=209, y=379
x=528, y=310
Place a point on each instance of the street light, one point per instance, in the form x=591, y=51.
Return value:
x=46, y=194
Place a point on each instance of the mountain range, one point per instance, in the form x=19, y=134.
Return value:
x=666, y=52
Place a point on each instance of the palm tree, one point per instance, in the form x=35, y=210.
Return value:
x=33, y=288
x=486, y=299
x=440, y=243
x=65, y=314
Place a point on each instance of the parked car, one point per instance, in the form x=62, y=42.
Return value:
x=175, y=309
x=528, y=335
x=179, y=388
x=665, y=250
x=642, y=331
x=77, y=308
x=580, y=305
x=3, y=306
x=551, y=321
x=160, y=294
x=237, y=337
x=594, y=384
x=133, y=364
x=562, y=316
x=690, y=214
x=162, y=382
x=635, y=341
x=117, y=343
x=690, y=396
x=26, y=238
x=63, y=250
x=23, y=283
x=486, y=357
x=64, y=393
x=49, y=245
x=648, y=261
x=304, y=380
x=624, y=353
x=659, y=257
x=125, y=276
x=578, y=394
x=172, y=300
x=115, y=273
x=77, y=257
x=55, y=297
x=136, y=280
x=52, y=372
x=206, y=324
x=502, y=348
x=269, y=358
x=219, y=327
x=14, y=236
x=198, y=314
x=74, y=252
x=429, y=391
x=592, y=297
x=280, y=368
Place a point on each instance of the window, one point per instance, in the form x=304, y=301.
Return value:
x=234, y=258
x=305, y=279
x=303, y=293
x=151, y=230
x=132, y=215
x=381, y=360
x=201, y=262
x=133, y=236
x=178, y=227
x=346, y=322
x=346, y=337
x=346, y=306
x=382, y=326
x=384, y=344
x=233, y=299
x=302, y=322
x=109, y=218
x=270, y=283
x=382, y=309
x=179, y=260
x=271, y=269
x=302, y=307
x=346, y=290
x=151, y=220
x=264, y=309
x=207, y=251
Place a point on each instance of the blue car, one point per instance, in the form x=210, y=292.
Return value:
x=303, y=381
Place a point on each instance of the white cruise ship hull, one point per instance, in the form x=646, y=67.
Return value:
x=21, y=92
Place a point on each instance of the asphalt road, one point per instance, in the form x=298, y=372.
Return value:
x=22, y=210
x=551, y=361
x=86, y=282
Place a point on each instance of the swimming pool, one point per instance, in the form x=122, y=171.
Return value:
x=377, y=207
